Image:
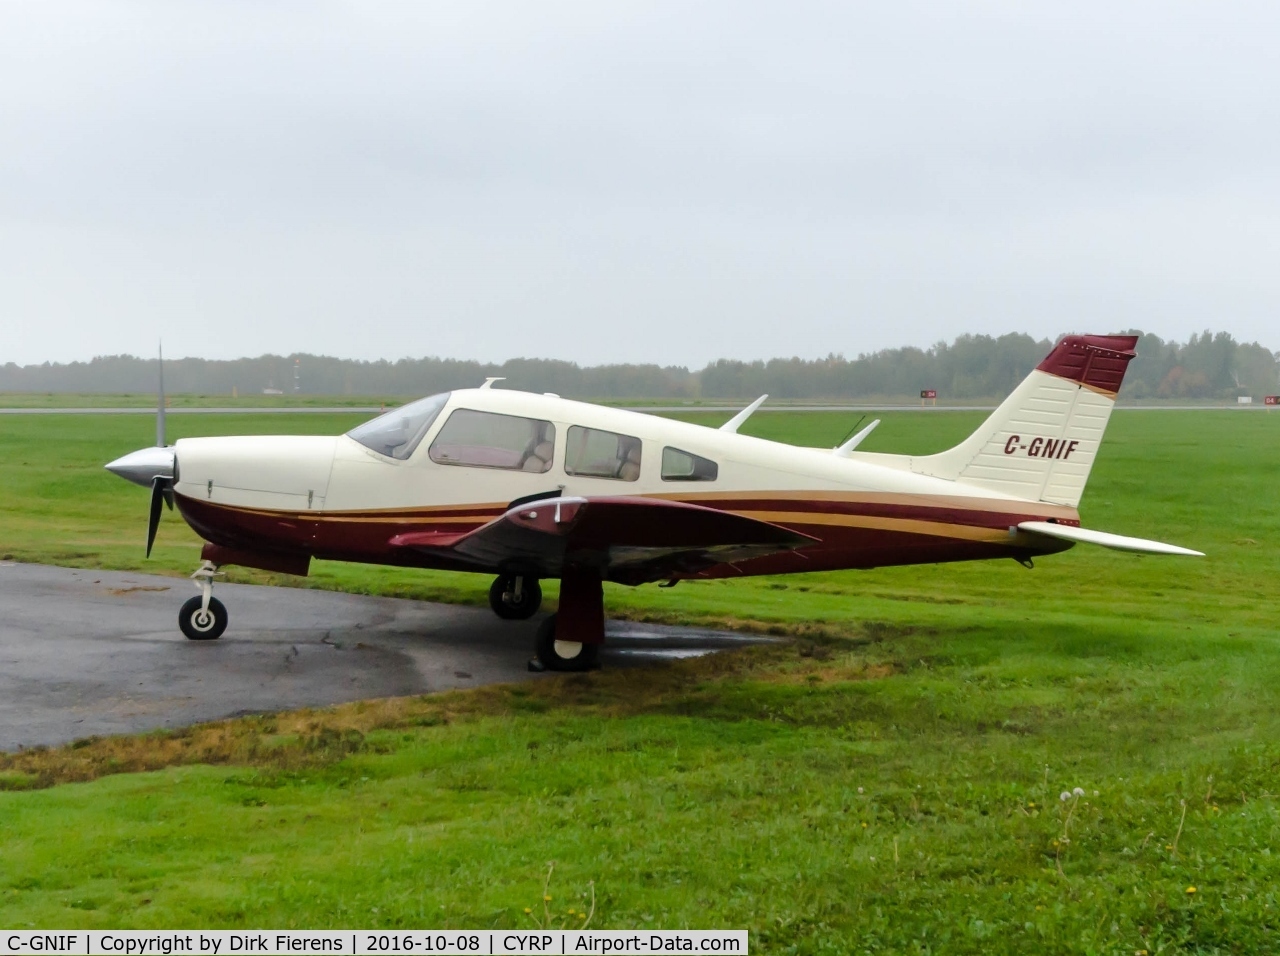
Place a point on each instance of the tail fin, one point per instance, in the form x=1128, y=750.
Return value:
x=1041, y=442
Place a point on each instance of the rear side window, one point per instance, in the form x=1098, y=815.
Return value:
x=592, y=453
x=489, y=440
x=680, y=465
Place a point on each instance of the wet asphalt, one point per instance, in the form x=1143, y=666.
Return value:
x=86, y=653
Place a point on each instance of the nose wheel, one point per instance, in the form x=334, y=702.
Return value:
x=199, y=623
x=203, y=618
x=515, y=597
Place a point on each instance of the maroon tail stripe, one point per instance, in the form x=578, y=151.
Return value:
x=1098, y=361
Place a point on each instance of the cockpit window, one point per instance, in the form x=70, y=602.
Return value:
x=397, y=433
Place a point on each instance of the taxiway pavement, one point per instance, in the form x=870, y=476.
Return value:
x=85, y=653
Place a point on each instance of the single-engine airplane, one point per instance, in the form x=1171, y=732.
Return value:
x=526, y=487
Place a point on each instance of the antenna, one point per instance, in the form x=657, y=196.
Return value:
x=733, y=424
x=852, y=430
x=160, y=401
x=852, y=443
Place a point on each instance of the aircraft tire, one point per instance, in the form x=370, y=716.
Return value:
x=563, y=655
x=203, y=627
x=530, y=598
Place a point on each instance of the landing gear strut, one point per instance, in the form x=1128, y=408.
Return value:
x=570, y=639
x=515, y=597
x=203, y=618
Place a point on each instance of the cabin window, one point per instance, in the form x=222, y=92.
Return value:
x=489, y=440
x=397, y=433
x=680, y=465
x=592, y=453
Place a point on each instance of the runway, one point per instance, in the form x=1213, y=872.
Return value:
x=86, y=653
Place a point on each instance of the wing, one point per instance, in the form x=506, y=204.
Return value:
x=630, y=540
x=1117, y=542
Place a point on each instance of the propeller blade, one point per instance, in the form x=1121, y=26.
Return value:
x=158, y=489
x=160, y=403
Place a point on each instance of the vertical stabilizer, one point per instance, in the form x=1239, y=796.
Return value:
x=1040, y=443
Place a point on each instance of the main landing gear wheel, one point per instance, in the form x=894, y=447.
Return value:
x=515, y=598
x=199, y=624
x=563, y=655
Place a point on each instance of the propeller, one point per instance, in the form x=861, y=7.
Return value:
x=155, y=467
x=160, y=443
x=161, y=487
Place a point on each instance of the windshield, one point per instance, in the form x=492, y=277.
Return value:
x=397, y=433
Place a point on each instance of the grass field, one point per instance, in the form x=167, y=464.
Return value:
x=889, y=781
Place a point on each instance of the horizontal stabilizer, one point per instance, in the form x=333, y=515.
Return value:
x=1117, y=542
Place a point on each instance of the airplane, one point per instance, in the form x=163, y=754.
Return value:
x=528, y=487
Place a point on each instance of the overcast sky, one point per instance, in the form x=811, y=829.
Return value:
x=658, y=182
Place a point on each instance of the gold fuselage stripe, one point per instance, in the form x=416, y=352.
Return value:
x=937, y=529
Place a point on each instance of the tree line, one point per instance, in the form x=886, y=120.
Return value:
x=1207, y=366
